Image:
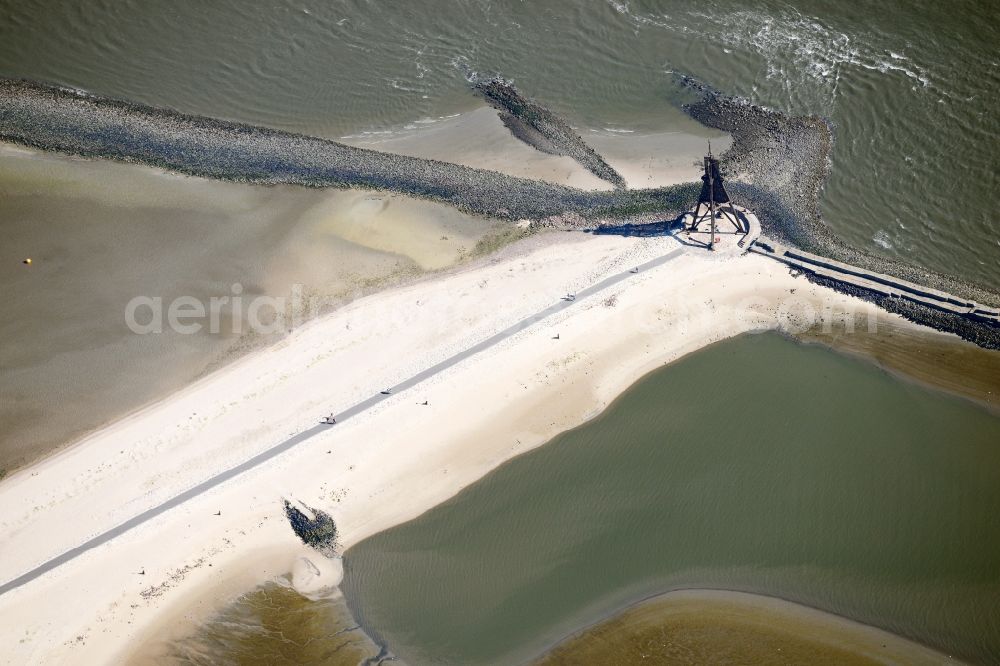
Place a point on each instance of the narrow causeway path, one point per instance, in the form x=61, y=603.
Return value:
x=350, y=412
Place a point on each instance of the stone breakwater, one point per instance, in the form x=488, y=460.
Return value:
x=974, y=322
x=777, y=166
x=67, y=121
x=985, y=335
x=534, y=124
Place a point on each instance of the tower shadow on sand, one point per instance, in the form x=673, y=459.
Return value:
x=648, y=230
x=662, y=228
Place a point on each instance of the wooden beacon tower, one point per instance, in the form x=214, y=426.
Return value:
x=714, y=203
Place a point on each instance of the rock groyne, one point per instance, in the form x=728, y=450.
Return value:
x=67, y=121
x=968, y=319
x=778, y=165
x=534, y=124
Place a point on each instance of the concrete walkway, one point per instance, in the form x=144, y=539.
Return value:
x=348, y=413
x=880, y=283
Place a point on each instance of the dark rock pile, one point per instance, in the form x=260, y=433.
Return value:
x=979, y=332
x=319, y=532
x=778, y=166
x=58, y=119
x=534, y=124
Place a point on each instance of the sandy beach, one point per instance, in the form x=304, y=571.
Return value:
x=338, y=245
x=382, y=467
x=557, y=430
x=478, y=139
x=173, y=235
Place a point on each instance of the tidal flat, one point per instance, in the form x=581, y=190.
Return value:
x=719, y=627
x=101, y=233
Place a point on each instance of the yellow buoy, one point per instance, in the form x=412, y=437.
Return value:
x=28, y=261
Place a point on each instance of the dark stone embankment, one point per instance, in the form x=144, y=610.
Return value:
x=537, y=126
x=983, y=334
x=778, y=165
x=943, y=311
x=57, y=119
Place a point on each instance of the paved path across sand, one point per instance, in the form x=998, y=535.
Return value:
x=358, y=408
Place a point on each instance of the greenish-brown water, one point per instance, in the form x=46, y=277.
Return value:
x=909, y=85
x=767, y=468
x=101, y=234
x=917, y=354
x=756, y=465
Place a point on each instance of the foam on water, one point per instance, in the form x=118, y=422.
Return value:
x=881, y=238
x=913, y=79
x=797, y=49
